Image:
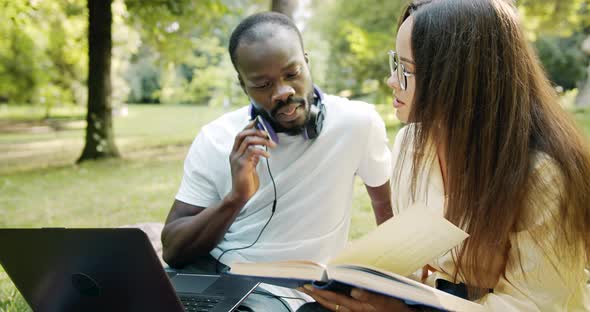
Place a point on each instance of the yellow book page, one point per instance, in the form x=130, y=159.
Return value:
x=404, y=243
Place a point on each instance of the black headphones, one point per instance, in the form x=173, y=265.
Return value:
x=311, y=129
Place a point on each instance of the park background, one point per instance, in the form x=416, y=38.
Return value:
x=158, y=70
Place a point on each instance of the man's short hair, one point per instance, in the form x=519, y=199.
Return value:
x=249, y=31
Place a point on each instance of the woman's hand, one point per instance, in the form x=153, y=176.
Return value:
x=358, y=301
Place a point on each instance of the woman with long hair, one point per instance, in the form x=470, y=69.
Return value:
x=488, y=146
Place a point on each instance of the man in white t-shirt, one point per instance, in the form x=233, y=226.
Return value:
x=279, y=187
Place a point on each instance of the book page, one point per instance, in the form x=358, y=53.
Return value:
x=404, y=243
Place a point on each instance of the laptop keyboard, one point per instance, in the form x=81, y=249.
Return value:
x=198, y=303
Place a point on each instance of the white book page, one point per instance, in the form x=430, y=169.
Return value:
x=404, y=243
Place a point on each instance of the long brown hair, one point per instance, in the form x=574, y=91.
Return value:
x=480, y=91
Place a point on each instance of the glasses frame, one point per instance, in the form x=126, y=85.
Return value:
x=402, y=76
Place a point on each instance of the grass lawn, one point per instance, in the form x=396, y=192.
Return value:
x=41, y=186
x=145, y=126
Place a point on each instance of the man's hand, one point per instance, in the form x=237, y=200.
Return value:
x=244, y=158
x=358, y=301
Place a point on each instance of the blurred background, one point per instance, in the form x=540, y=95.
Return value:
x=158, y=70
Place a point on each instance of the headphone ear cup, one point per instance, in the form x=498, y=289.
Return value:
x=265, y=126
x=252, y=111
x=314, y=124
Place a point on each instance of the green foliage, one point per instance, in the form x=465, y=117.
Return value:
x=174, y=51
x=359, y=34
x=200, y=74
x=557, y=29
x=143, y=76
x=168, y=26
x=17, y=68
x=182, y=61
x=42, y=52
x=563, y=60
x=174, y=48
x=556, y=17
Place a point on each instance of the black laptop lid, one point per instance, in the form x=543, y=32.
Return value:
x=86, y=270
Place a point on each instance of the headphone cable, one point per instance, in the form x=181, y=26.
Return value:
x=274, y=206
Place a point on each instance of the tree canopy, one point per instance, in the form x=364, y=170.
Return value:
x=174, y=51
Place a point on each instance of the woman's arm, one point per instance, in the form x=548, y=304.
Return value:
x=542, y=274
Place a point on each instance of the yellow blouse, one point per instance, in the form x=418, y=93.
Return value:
x=541, y=288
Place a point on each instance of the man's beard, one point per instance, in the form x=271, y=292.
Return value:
x=291, y=100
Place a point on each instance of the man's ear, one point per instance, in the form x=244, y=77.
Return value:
x=306, y=56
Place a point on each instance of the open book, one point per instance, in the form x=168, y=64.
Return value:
x=379, y=262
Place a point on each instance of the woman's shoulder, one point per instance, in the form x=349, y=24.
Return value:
x=406, y=132
x=407, y=129
x=546, y=191
x=545, y=171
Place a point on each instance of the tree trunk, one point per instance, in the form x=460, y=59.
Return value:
x=100, y=141
x=286, y=7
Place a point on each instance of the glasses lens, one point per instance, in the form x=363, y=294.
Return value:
x=392, y=63
x=400, y=74
x=393, y=67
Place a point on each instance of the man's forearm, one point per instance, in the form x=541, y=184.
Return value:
x=383, y=212
x=381, y=202
x=188, y=237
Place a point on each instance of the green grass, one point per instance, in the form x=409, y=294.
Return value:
x=146, y=126
x=36, y=113
x=40, y=186
x=583, y=118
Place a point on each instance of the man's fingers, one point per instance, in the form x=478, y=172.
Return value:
x=252, y=141
x=253, y=151
x=252, y=132
x=237, y=139
x=250, y=124
x=242, y=135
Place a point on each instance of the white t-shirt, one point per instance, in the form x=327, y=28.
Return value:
x=314, y=181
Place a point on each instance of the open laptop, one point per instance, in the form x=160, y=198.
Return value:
x=107, y=270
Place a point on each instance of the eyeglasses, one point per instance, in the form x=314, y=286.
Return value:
x=403, y=74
